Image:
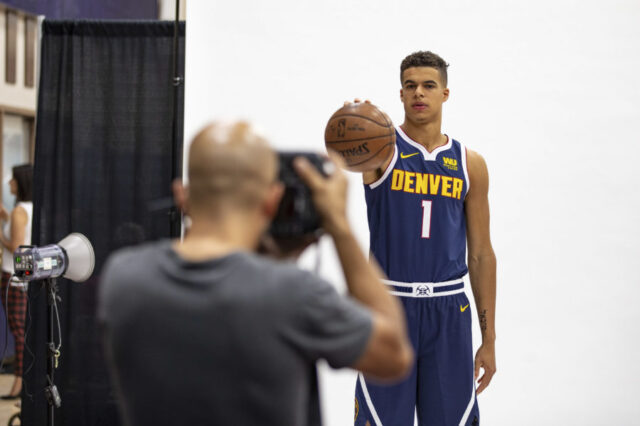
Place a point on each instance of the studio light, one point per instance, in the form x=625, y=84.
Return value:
x=71, y=258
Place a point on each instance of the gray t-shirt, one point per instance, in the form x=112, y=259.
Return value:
x=228, y=341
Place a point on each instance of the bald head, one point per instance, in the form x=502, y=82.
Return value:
x=230, y=166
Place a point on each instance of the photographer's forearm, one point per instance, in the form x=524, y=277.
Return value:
x=364, y=278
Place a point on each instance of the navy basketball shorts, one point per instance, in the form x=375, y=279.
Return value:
x=440, y=389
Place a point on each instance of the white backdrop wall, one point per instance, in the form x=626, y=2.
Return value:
x=547, y=92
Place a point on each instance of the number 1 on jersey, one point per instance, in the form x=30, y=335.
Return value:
x=426, y=218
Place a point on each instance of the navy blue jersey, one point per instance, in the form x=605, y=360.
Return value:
x=416, y=212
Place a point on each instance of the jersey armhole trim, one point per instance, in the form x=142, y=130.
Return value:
x=386, y=173
x=463, y=151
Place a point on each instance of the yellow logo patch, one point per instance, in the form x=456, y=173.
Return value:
x=462, y=309
x=357, y=410
x=403, y=155
x=450, y=163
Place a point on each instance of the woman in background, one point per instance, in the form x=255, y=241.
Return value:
x=16, y=232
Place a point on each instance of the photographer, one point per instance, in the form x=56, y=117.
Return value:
x=207, y=332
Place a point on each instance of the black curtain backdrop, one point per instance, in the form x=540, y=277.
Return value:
x=103, y=160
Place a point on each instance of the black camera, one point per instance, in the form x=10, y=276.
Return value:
x=297, y=217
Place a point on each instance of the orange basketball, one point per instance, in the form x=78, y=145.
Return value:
x=362, y=134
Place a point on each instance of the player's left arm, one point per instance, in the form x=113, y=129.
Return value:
x=482, y=264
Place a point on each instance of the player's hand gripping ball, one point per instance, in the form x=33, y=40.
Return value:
x=362, y=134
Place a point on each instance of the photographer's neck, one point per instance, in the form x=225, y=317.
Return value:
x=208, y=239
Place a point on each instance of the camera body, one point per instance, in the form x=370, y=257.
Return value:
x=297, y=217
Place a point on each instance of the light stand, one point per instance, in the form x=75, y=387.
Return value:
x=175, y=215
x=72, y=258
x=51, y=391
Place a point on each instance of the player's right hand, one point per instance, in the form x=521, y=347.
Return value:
x=329, y=193
x=357, y=101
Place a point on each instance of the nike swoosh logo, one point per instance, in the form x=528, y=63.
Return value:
x=403, y=155
x=464, y=309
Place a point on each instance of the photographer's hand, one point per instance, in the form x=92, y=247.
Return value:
x=329, y=194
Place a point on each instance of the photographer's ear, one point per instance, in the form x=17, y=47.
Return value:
x=180, y=195
x=272, y=199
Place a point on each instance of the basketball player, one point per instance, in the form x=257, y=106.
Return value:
x=424, y=206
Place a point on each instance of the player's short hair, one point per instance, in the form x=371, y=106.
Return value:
x=425, y=59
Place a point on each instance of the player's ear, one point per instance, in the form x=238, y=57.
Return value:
x=445, y=94
x=401, y=95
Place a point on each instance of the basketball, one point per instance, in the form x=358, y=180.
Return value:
x=362, y=134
